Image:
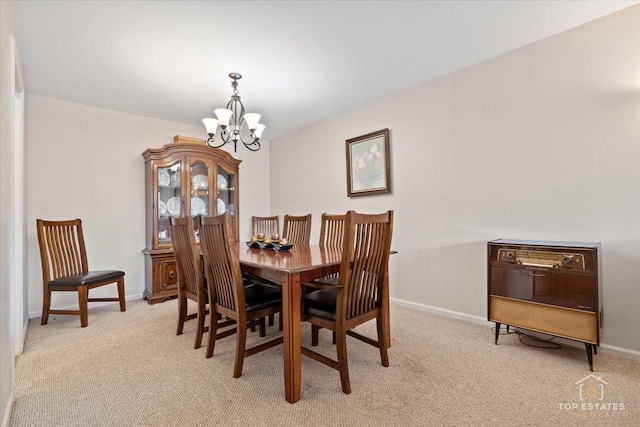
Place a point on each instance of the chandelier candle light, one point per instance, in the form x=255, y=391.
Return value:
x=230, y=120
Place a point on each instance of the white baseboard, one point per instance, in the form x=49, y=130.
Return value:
x=7, y=411
x=441, y=311
x=35, y=314
x=19, y=350
x=624, y=353
x=604, y=348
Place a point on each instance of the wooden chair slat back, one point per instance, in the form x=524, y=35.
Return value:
x=268, y=225
x=297, y=229
x=365, y=261
x=332, y=230
x=185, y=250
x=222, y=265
x=62, y=250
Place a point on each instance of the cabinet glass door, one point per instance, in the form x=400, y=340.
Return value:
x=169, y=200
x=226, y=183
x=200, y=195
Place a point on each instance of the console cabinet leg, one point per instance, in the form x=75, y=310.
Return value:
x=589, y=355
x=497, y=332
x=595, y=349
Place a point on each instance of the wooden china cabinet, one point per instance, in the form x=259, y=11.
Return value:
x=186, y=177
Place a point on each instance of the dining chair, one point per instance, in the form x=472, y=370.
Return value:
x=332, y=229
x=267, y=225
x=297, y=229
x=65, y=268
x=331, y=235
x=191, y=282
x=247, y=305
x=359, y=294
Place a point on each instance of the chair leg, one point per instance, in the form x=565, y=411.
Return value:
x=343, y=367
x=263, y=329
x=201, y=318
x=382, y=340
x=271, y=320
x=182, y=313
x=240, y=346
x=46, y=304
x=121, y=296
x=213, y=325
x=333, y=338
x=83, y=296
x=314, y=335
x=280, y=320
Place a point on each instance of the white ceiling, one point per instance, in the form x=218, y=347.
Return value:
x=302, y=61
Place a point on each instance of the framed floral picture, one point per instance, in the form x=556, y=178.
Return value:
x=368, y=164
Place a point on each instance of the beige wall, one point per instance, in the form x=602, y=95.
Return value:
x=540, y=143
x=85, y=162
x=8, y=166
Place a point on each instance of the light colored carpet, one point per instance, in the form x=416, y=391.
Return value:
x=130, y=369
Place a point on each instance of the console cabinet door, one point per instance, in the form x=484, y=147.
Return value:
x=511, y=283
x=545, y=286
x=566, y=290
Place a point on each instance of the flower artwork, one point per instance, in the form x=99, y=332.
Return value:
x=368, y=164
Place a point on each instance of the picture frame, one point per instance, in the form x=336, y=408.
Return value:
x=368, y=164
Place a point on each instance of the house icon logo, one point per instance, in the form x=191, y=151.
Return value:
x=591, y=388
x=591, y=394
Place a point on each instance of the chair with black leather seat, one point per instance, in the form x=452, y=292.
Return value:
x=65, y=268
x=191, y=282
x=297, y=229
x=332, y=229
x=331, y=235
x=359, y=294
x=247, y=305
x=267, y=225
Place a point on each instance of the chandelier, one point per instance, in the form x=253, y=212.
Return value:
x=230, y=120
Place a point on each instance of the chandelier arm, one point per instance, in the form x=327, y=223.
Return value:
x=225, y=135
x=253, y=143
x=211, y=143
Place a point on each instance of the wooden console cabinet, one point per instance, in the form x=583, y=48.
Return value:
x=186, y=177
x=549, y=287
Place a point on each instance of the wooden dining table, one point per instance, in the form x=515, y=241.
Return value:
x=291, y=269
x=302, y=264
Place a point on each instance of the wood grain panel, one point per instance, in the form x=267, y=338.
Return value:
x=563, y=322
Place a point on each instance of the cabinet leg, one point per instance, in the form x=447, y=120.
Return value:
x=497, y=332
x=589, y=355
x=595, y=349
